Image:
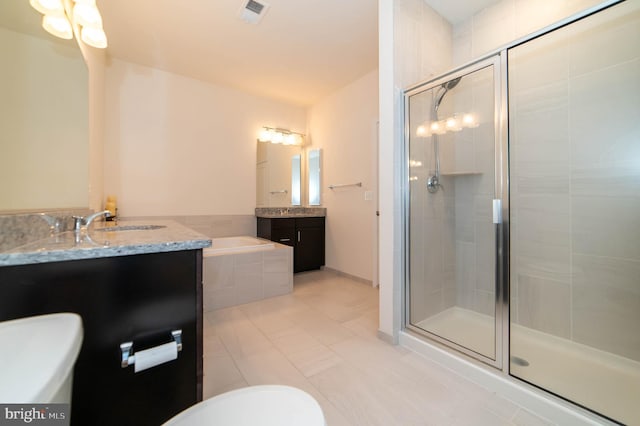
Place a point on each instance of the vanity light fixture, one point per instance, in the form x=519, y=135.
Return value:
x=64, y=17
x=58, y=25
x=280, y=136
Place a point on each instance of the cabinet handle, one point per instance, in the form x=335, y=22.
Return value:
x=298, y=236
x=285, y=239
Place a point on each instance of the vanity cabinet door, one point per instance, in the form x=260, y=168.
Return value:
x=283, y=231
x=280, y=230
x=139, y=298
x=309, y=253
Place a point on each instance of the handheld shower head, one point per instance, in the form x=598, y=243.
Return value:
x=452, y=83
x=445, y=87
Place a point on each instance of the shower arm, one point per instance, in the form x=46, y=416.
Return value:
x=433, y=183
x=436, y=145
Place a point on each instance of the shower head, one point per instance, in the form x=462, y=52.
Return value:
x=451, y=83
x=446, y=87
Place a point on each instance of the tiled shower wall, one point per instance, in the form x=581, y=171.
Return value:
x=452, y=236
x=423, y=49
x=575, y=184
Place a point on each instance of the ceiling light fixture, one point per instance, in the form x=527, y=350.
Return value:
x=62, y=17
x=280, y=136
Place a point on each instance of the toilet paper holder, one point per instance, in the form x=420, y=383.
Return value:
x=128, y=357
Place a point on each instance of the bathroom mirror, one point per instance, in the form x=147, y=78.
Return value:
x=314, y=166
x=296, y=173
x=44, y=126
x=278, y=175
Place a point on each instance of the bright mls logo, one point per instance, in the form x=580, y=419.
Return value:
x=34, y=414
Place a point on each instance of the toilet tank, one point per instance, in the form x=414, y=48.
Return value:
x=36, y=364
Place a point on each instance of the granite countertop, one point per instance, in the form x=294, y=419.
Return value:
x=99, y=241
x=284, y=212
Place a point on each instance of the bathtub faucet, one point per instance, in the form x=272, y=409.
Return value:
x=82, y=223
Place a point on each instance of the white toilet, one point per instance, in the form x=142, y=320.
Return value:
x=267, y=405
x=36, y=365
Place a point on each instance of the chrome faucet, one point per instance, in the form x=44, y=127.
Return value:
x=82, y=223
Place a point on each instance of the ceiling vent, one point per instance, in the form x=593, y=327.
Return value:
x=253, y=11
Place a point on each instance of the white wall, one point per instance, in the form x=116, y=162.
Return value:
x=343, y=125
x=44, y=124
x=179, y=146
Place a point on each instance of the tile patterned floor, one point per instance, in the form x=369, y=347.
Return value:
x=322, y=339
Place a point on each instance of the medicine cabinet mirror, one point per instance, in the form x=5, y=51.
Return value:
x=314, y=167
x=278, y=175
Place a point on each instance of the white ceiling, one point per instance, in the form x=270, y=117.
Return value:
x=300, y=51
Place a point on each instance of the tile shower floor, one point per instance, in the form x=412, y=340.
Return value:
x=561, y=366
x=322, y=339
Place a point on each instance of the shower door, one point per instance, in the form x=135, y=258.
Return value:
x=453, y=211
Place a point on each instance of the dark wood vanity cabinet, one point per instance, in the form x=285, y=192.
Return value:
x=139, y=298
x=304, y=234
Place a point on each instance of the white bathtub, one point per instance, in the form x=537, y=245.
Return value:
x=237, y=244
x=243, y=269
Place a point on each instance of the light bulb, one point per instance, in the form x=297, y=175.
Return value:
x=57, y=25
x=94, y=37
x=278, y=138
x=87, y=15
x=421, y=131
x=265, y=135
x=469, y=120
x=453, y=124
x=413, y=178
x=290, y=139
x=438, y=127
x=48, y=7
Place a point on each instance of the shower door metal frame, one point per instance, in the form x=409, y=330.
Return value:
x=501, y=305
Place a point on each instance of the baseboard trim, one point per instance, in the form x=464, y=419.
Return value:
x=344, y=274
x=388, y=338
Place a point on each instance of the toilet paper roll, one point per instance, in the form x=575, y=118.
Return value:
x=155, y=356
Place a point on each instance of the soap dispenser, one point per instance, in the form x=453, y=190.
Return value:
x=111, y=206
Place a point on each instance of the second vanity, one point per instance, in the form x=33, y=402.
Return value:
x=136, y=283
x=302, y=228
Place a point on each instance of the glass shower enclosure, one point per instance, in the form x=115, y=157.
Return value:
x=522, y=224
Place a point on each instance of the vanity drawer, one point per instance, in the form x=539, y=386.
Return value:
x=284, y=236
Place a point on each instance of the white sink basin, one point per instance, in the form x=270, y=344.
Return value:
x=37, y=358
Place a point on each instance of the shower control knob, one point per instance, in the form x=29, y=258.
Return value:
x=433, y=184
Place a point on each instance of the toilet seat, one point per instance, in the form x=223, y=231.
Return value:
x=266, y=405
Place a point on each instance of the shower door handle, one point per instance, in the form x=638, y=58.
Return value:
x=497, y=211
